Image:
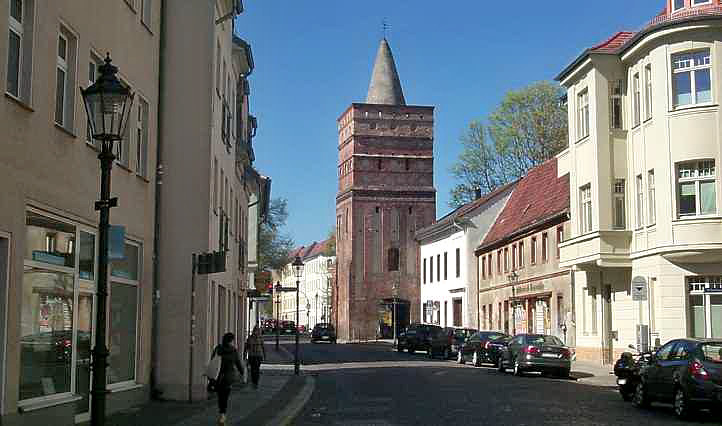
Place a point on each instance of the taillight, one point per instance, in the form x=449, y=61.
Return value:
x=486, y=345
x=532, y=350
x=566, y=353
x=696, y=369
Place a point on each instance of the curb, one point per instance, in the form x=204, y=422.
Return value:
x=288, y=414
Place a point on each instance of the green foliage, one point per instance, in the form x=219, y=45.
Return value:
x=331, y=248
x=274, y=246
x=526, y=129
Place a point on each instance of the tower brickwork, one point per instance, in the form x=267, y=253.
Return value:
x=385, y=193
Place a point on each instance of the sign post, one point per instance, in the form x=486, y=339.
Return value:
x=640, y=294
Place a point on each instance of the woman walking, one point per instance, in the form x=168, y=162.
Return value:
x=256, y=353
x=230, y=362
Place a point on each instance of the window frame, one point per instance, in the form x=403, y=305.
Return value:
x=583, y=114
x=648, y=106
x=619, y=194
x=146, y=13
x=532, y=251
x=697, y=179
x=458, y=262
x=636, y=100
x=651, y=199
x=676, y=8
x=616, y=107
x=585, y=209
x=639, y=201
x=142, y=137
x=521, y=255
x=692, y=70
x=18, y=28
x=446, y=265
x=61, y=64
x=545, y=247
x=706, y=287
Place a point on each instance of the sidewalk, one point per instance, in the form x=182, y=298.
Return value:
x=594, y=374
x=280, y=395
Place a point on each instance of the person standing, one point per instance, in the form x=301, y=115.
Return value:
x=256, y=353
x=230, y=362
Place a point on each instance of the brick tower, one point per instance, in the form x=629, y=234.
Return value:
x=385, y=193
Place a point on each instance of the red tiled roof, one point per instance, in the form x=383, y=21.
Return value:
x=613, y=43
x=318, y=248
x=538, y=196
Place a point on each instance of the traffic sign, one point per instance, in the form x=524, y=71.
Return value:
x=639, y=288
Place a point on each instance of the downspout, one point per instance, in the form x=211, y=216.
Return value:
x=155, y=391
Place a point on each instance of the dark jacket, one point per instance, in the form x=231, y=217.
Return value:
x=230, y=362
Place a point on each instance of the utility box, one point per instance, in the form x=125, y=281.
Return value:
x=642, y=337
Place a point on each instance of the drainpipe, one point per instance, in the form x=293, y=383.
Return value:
x=155, y=391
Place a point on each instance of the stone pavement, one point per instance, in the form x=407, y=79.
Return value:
x=279, y=395
x=595, y=374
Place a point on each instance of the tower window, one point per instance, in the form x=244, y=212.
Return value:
x=377, y=209
x=379, y=165
x=410, y=210
x=407, y=164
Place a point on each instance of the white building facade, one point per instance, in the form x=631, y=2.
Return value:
x=644, y=147
x=448, y=276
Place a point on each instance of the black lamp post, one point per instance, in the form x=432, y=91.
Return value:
x=513, y=278
x=108, y=104
x=298, y=270
x=278, y=291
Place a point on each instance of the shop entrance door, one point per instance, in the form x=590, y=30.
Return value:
x=84, y=339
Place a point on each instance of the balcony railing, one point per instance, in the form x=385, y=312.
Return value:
x=715, y=10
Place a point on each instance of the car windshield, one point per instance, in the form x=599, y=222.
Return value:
x=544, y=340
x=712, y=352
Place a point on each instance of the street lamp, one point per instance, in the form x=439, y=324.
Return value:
x=108, y=103
x=394, y=319
x=278, y=290
x=298, y=271
x=513, y=278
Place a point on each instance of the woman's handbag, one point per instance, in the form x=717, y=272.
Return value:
x=213, y=369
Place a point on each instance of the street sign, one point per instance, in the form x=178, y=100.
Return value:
x=639, y=289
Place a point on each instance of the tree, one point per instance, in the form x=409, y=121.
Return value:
x=273, y=245
x=526, y=129
x=331, y=246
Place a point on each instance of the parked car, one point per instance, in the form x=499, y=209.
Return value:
x=323, y=332
x=417, y=337
x=288, y=327
x=448, y=341
x=301, y=328
x=536, y=352
x=685, y=372
x=483, y=347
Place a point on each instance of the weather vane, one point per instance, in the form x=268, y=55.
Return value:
x=385, y=26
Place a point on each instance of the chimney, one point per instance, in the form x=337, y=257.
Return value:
x=477, y=193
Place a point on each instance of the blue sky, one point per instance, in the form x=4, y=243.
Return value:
x=313, y=58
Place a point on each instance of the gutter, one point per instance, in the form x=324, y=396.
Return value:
x=155, y=391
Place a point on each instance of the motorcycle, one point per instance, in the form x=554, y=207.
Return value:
x=627, y=369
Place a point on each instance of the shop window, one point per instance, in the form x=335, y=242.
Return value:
x=86, y=256
x=47, y=240
x=122, y=338
x=705, y=306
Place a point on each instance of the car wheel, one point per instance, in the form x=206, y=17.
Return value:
x=411, y=349
x=399, y=348
x=682, y=408
x=460, y=357
x=500, y=365
x=641, y=398
x=447, y=353
x=476, y=359
x=517, y=368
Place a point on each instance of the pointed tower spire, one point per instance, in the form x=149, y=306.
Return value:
x=385, y=86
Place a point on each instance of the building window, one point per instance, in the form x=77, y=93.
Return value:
x=489, y=265
x=640, y=201
x=218, y=68
x=545, y=247
x=585, y=200
x=648, y=92
x=458, y=263
x=446, y=265
x=20, y=45
x=124, y=315
x=705, y=306
x=560, y=240
x=145, y=12
x=483, y=267
x=513, y=257
x=701, y=2
x=93, y=65
x=61, y=80
x=431, y=269
x=393, y=258
x=617, y=109
x=438, y=267
x=583, y=114
x=521, y=254
x=215, y=183
x=691, y=81
x=498, y=261
x=141, y=139
x=678, y=4
x=533, y=250
x=696, y=188
x=619, y=204
x=424, y=271
x=506, y=259
x=636, y=100
x=652, y=204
